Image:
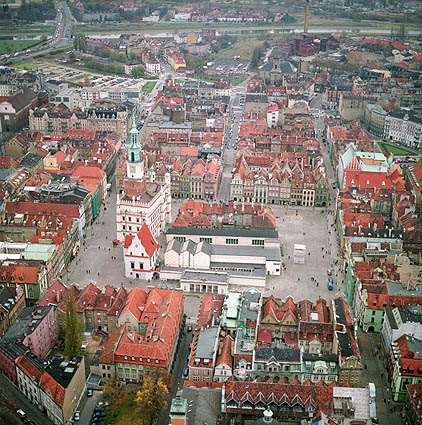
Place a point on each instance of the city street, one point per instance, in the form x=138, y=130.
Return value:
x=388, y=411
x=11, y=394
x=230, y=142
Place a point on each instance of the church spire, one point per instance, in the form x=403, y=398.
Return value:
x=134, y=148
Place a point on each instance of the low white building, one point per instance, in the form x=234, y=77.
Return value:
x=140, y=254
x=272, y=115
x=204, y=256
x=226, y=235
x=152, y=65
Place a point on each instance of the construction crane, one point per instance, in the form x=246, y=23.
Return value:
x=306, y=20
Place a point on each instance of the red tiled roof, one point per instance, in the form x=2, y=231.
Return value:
x=226, y=357
x=56, y=293
x=320, y=396
x=128, y=240
x=8, y=162
x=135, y=301
x=29, y=368
x=49, y=385
x=88, y=297
x=19, y=273
x=147, y=240
x=161, y=313
x=107, y=353
x=410, y=363
x=42, y=208
x=210, y=304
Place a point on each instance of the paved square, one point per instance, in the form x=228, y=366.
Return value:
x=312, y=227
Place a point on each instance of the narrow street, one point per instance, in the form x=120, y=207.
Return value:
x=11, y=394
x=235, y=112
x=387, y=410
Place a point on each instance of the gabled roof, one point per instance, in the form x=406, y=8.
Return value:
x=135, y=302
x=226, y=356
x=147, y=240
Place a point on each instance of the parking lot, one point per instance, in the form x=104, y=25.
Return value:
x=229, y=67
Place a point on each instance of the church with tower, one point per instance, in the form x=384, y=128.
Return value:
x=141, y=201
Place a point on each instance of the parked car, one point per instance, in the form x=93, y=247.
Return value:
x=21, y=413
x=185, y=372
x=77, y=416
x=90, y=392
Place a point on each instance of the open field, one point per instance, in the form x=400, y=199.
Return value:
x=243, y=47
x=25, y=29
x=12, y=46
x=149, y=86
x=395, y=149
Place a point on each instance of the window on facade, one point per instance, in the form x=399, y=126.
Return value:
x=259, y=242
x=132, y=265
x=141, y=266
x=180, y=238
x=230, y=241
x=209, y=240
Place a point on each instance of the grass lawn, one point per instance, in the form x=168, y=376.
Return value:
x=243, y=47
x=125, y=414
x=25, y=29
x=149, y=86
x=395, y=149
x=12, y=46
x=26, y=66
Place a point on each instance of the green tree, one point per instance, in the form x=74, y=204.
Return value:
x=151, y=399
x=137, y=72
x=72, y=329
x=115, y=392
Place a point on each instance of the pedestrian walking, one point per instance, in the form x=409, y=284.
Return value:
x=317, y=284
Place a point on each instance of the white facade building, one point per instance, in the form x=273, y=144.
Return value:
x=404, y=128
x=140, y=254
x=400, y=321
x=141, y=202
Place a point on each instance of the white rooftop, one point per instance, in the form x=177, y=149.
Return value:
x=359, y=398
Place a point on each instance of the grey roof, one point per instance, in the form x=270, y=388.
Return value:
x=175, y=245
x=411, y=313
x=345, y=343
x=5, y=174
x=189, y=246
x=62, y=371
x=206, y=342
x=204, y=247
x=205, y=275
x=278, y=354
x=224, y=231
x=312, y=357
x=27, y=320
x=391, y=318
x=270, y=253
x=405, y=113
x=250, y=305
x=7, y=297
x=30, y=160
x=205, y=405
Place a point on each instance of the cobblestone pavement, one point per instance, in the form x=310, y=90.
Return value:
x=99, y=262
x=313, y=228
x=388, y=411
